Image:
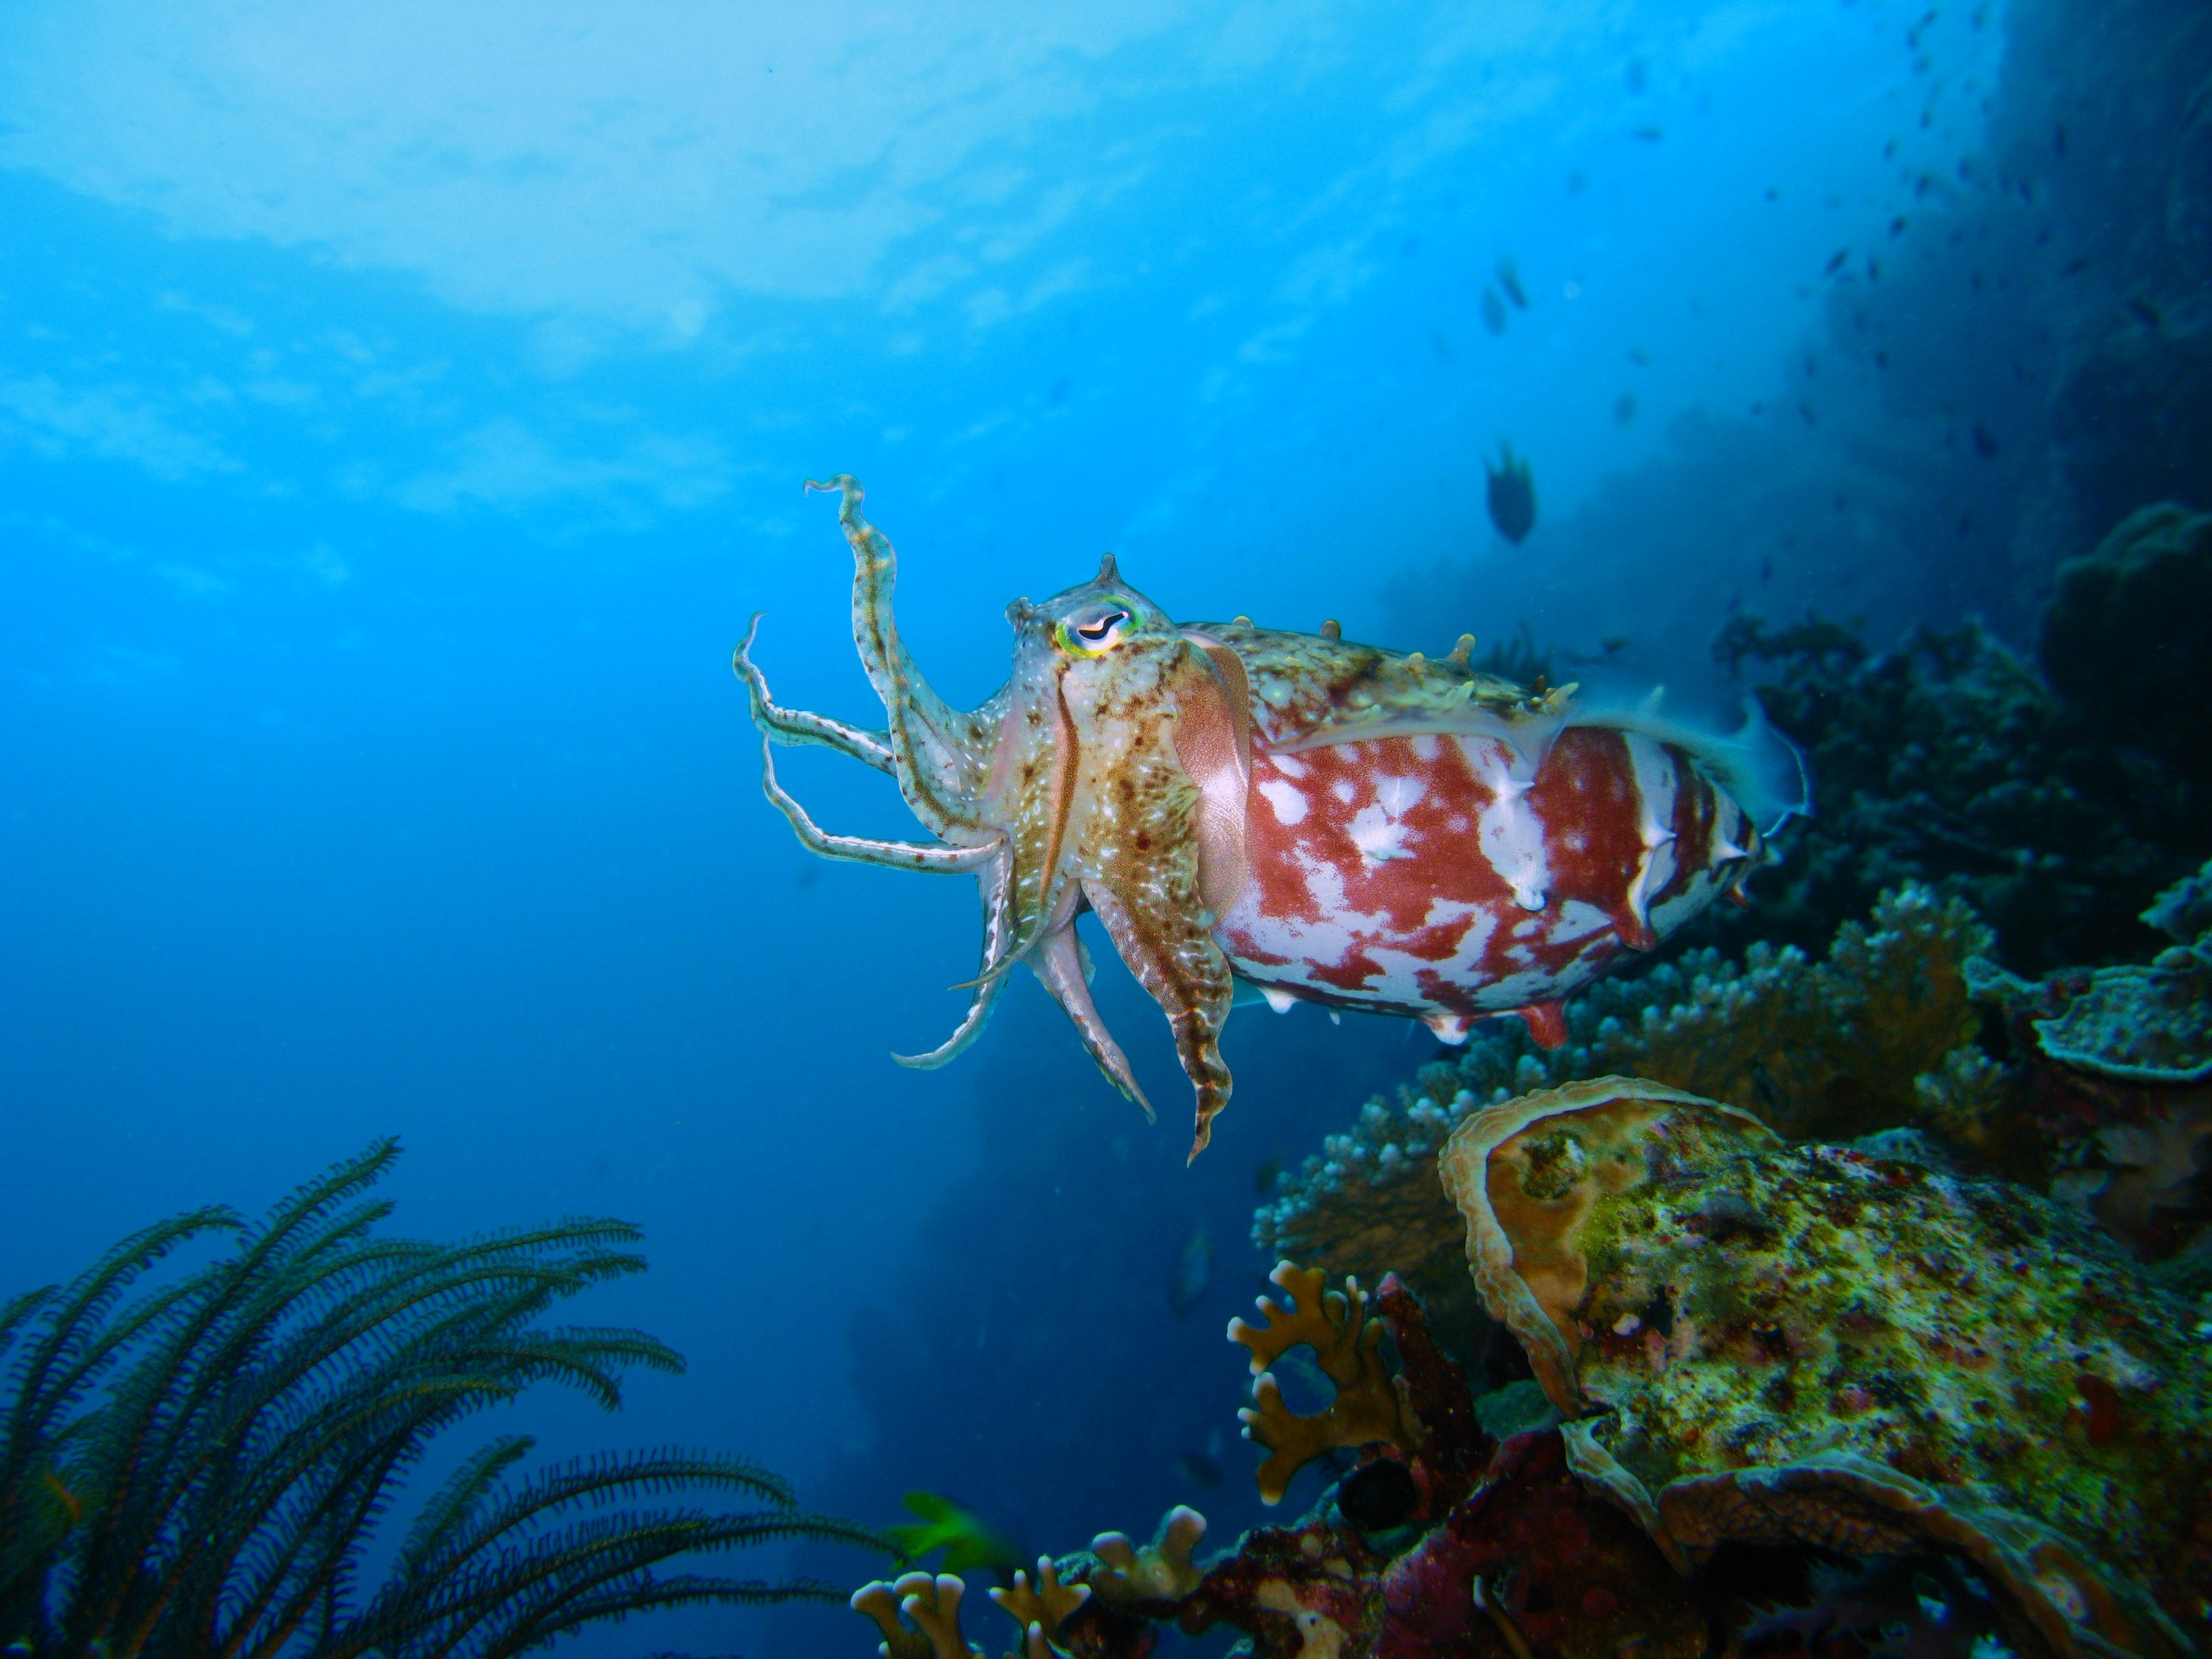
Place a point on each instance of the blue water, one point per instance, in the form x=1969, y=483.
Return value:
x=401, y=415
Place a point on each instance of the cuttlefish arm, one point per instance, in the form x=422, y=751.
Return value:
x=1170, y=948
x=1063, y=966
x=1161, y=849
x=995, y=879
x=942, y=754
x=800, y=725
x=866, y=849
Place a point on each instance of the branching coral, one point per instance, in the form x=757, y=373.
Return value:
x=1529, y=1555
x=1833, y=1048
x=930, y=1628
x=1165, y=1569
x=1348, y=1347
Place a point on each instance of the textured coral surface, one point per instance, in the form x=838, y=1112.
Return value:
x=1832, y=1046
x=1745, y=1307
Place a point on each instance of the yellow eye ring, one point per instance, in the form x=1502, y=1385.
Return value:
x=1092, y=639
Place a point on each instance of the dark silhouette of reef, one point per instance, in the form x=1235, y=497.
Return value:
x=2057, y=802
x=195, y=1456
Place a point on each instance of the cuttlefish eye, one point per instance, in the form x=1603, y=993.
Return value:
x=1094, y=630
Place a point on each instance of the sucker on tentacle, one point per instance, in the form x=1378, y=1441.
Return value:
x=1313, y=819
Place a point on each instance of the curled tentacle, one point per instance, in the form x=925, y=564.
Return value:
x=866, y=849
x=998, y=923
x=798, y=725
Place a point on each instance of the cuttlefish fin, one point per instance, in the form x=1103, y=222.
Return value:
x=1063, y=967
x=1170, y=948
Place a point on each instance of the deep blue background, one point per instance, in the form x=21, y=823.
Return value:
x=400, y=417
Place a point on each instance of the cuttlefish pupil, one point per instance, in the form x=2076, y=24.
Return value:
x=1294, y=814
x=1092, y=634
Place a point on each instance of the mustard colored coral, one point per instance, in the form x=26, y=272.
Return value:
x=1347, y=1347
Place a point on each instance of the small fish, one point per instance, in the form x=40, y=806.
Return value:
x=807, y=875
x=2146, y=314
x=1649, y=134
x=1874, y=269
x=1639, y=356
x=968, y=1541
x=1764, y=1089
x=1265, y=1178
x=1511, y=494
x=2075, y=268
x=1202, y=1468
x=2058, y=140
x=1767, y=568
x=1837, y=261
x=1493, y=310
x=1192, y=1271
x=1985, y=445
x=1624, y=409
x=1509, y=278
x=1613, y=644
x=1897, y=226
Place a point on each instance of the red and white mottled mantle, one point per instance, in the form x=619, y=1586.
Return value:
x=1416, y=876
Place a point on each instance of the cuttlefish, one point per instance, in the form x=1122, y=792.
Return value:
x=1290, y=816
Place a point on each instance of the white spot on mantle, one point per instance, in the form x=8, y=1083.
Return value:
x=1290, y=805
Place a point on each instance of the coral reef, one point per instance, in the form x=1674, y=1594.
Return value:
x=1347, y=1345
x=2125, y=637
x=1948, y=762
x=1530, y=1560
x=198, y=1464
x=2107, y=1102
x=1779, y=1344
x=1533, y=1558
x=1830, y=1047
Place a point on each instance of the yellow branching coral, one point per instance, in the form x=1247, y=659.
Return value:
x=1162, y=1570
x=931, y=1629
x=1041, y=1608
x=1348, y=1347
x=934, y=1607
